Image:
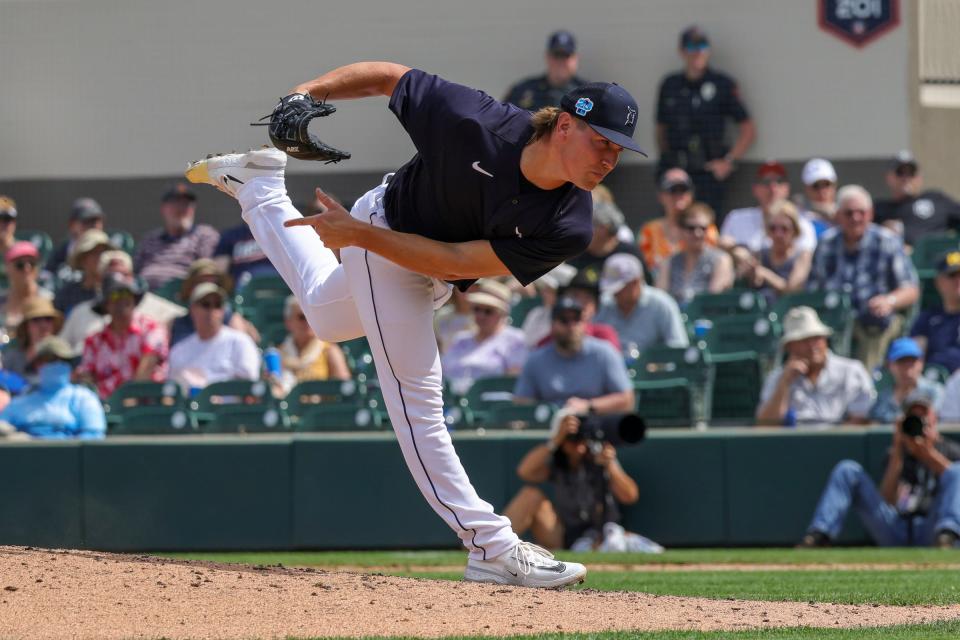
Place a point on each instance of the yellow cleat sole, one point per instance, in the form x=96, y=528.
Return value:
x=197, y=173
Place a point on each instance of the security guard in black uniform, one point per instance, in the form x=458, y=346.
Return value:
x=546, y=90
x=692, y=110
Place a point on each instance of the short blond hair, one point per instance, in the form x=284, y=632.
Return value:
x=789, y=211
x=697, y=208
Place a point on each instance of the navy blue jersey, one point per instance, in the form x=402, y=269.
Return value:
x=465, y=184
x=694, y=113
x=942, y=331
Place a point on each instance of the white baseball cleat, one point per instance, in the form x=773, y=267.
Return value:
x=227, y=172
x=526, y=565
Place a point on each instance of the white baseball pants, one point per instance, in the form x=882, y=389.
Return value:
x=369, y=295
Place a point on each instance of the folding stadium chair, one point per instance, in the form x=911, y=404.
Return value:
x=169, y=290
x=121, y=240
x=834, y=309
x=709, y=306
x=743, y=350
x=929, y=248
x=248, y=418
x=154, y=420
x=40, y=239
x=520, y=309
x=520, y=416
x=313, y=393
x=246, y=393
x=674, y=386
x=140, y=394
x=338, y=417
x=485, y=394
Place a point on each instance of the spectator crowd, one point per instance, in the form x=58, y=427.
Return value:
x=170, y=306
x=99, y=311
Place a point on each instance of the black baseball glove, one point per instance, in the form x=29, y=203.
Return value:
x=288, y=128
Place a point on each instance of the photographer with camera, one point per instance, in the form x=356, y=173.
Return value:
x=918, y=501
x=579, y=460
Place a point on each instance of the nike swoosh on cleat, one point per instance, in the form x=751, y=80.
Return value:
x=229, y=177
x=512, y=573
x=476, y=167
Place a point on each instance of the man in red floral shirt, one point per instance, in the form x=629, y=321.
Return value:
x=130, y=347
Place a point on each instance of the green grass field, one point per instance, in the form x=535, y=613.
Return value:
x=894, y=577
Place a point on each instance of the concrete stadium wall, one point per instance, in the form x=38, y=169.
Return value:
x=329, y=491
x=99, y=90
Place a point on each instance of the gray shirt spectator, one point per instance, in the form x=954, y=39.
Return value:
x=642, y=315
x=596, y=370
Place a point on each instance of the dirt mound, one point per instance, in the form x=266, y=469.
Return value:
x=79, y=594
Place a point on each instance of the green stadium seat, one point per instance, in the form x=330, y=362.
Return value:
x=738, y=380
x=40, y=239
x=169, y=290
x=727, y=303
x=928, y=250
x=520, y=309
x=520, y=416
x=757, y=336
x=485, y=394
x=271, y=335
x=140, y=394
x=929, y=296
x=834, y=309
x=154, y=420
x=248, y=418
x=121, y=240
x=338, y=417
x=674, y=385
x=214, y=397
x=358, y=356
x=312, y=393
x=936, y=373
x=254, y=290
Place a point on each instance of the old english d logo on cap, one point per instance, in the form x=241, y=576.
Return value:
x=609, y=110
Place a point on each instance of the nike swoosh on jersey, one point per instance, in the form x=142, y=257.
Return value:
x=478, y=169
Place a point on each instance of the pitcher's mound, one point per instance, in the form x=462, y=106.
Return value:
x=79, y=594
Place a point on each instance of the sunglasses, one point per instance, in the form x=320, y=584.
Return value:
x=118, y=296
x=485, y=311
x=906, y=171
x=821, y=184
x=678, y=190
x=954, y=275
x=21, y=265
x=779, y=227
x=210, y=304
x=693, y=228
x=42, y=320
x=850, y=212
x=6, y=219
x=568, y=319
x=772, y=181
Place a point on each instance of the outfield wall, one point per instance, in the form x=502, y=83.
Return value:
x=722, y=487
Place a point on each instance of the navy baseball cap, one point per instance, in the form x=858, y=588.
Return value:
x=694, y=37
x=562, y=43
x=566, y=306
x=949, y=262
x=608, y=109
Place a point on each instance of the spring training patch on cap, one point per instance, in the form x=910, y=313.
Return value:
x=583, y=106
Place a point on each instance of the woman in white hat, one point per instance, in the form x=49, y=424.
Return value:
x=494, y=348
